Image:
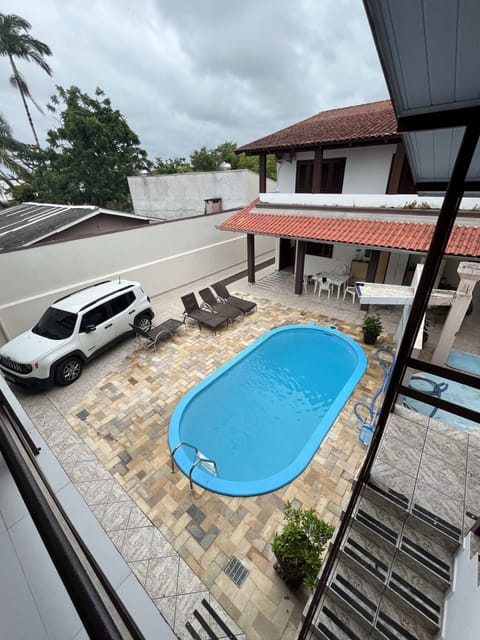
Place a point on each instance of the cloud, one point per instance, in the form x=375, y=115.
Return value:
x=189, y=74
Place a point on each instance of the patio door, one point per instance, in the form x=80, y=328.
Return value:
x=286, y=258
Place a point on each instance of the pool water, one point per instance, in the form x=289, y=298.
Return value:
x=263, y=415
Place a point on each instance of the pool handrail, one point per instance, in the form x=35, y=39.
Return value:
x=196, y=463
x=200, y=459
x=182, y=444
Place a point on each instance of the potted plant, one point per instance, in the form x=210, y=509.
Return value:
x=299, y=546
x=372, y=328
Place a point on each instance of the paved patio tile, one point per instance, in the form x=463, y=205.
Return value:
x=124, y=421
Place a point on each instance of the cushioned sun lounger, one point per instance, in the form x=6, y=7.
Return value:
x=210, y=319
x=212, y=304
x=245, y=306
x=164, y=330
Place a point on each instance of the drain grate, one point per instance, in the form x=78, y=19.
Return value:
x=236, y=571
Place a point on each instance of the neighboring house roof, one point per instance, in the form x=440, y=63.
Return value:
x=388, y=234
x=365, y=122
x=31, y=222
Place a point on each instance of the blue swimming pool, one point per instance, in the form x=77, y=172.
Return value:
x=262, y=416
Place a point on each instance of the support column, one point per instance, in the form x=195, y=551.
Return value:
x=371, y=271
x=262, y=161
x=396, y=169
x=300, y=266
x=469, y=273
x=251, y=258
x=317, y=171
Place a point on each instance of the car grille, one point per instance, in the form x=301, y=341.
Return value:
x=15, y=366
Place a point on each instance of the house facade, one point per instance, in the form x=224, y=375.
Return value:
x=328, y=167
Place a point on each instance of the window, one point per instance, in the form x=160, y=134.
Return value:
x=55, y=324
x=120, y=303
x=95, y=316
x=319, y=249
x=333, y=171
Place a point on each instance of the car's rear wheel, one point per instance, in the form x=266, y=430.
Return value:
x=68, y=370
x=144, y=322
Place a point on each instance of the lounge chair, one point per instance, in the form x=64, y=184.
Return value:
x=245, y=306
x=163, y=330
x=210, y=319
x=211, y=303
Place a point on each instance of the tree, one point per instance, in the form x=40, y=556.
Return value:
x=210, y=159
x=9, y=152
x=89, y=156
x=172, y=165
x=16, y=42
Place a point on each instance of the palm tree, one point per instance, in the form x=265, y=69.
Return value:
x=15, y=42
x=9, y=148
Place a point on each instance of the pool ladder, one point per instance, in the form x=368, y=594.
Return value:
x=200, y=459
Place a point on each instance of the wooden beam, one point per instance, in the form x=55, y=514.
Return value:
x=396, y=169
x=317, y=171
x=299, y=266
x=251, y=257
x=262, y=160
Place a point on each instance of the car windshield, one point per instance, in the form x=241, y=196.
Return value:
x=55, y=324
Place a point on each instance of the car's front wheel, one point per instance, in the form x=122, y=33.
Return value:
x=68, y=370
x=144, y=322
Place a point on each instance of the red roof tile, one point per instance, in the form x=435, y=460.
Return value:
x=361, y=122
x=409, y=236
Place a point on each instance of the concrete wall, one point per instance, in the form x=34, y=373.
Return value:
x=161, y=257
x=181, y=195
x=366, y=168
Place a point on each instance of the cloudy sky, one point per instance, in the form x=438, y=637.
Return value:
x=194, y=73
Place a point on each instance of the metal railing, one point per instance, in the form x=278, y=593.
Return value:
x=432, y=265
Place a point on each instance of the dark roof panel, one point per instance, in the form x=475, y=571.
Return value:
x=28, y=223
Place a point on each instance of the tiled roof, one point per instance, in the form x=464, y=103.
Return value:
x=361, y=122
x=410, y=236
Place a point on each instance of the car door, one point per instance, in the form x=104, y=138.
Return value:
x=122, y=309
x=96, y=329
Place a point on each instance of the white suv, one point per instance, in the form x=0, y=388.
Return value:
x=73, y=330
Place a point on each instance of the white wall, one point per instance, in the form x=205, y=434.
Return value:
x=462, y=605
x=181, y=195
x=366, y=168
x=162, y=257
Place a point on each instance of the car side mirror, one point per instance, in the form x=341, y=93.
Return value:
x=89, y=328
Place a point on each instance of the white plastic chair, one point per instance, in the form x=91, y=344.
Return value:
x=350, y=290
x=324, y=285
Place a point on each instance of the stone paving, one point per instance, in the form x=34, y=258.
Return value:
x=179, y=542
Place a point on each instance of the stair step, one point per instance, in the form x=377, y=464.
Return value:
x=209, y=625
x=370, y=551
x=399, y=499
x=415, y=587
x=390, y=497
x=353, y=586
x=438, y=523
x=337, y=621
x=430, y=549
x=397, y=621
x=403, y=579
